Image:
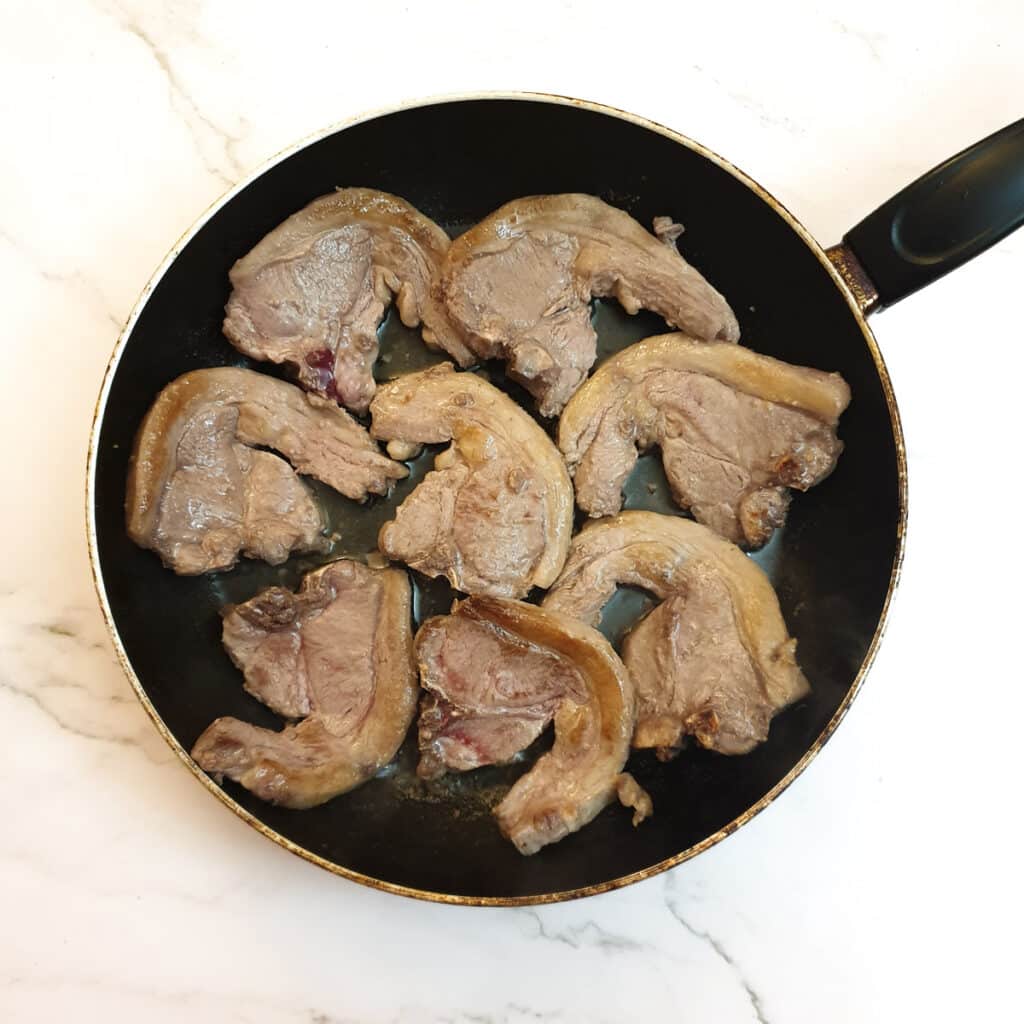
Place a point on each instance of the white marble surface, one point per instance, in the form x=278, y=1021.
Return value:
x=884, y=886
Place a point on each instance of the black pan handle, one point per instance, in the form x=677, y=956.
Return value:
x=946, y=217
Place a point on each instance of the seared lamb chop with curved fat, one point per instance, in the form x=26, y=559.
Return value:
x=714, y=659
x=519, y=284
x=502, y=670
x=199, y=492
x=313, y=293
x=736, y=429
x=338, y=655
x=495, y=514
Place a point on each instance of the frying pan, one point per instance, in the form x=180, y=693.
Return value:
x=835, y=564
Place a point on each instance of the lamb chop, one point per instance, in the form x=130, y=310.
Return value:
x=495, y=515
x=735, y=428
x=714, y=660
x=313, y=292
x=200, y=492
x=519, y=666
x=337, y=656
x=518, y=287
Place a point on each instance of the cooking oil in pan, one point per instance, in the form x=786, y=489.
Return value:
x=354, y=527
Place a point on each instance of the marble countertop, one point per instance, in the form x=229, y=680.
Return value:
x=883, y=886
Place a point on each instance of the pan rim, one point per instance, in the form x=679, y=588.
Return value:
x=425, y=894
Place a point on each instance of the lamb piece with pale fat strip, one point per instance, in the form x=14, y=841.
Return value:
x=735, y=428
x=338, y=656
x=495, y=514
x=200, y=492
x=502, y=669
x=518, y=287
x=714, y=660
x=313, y=292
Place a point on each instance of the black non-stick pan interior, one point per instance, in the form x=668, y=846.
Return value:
x=831, y=565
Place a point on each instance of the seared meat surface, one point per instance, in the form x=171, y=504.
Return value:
x=501, y=669
x=518, y=287
x=714, y=660
x=495, y=514
x=489, y=694
x=313, y=292
x=338, y=656
x=200, y=494
x=735, y=428
x=698, y=678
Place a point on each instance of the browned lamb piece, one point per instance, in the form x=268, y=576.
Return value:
x=313, y=292
x=492, y=658
x=518, y=285
x=338, y=656
x=714, y=660
x=495, y=514
x=735, y=428
x=200, y=492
